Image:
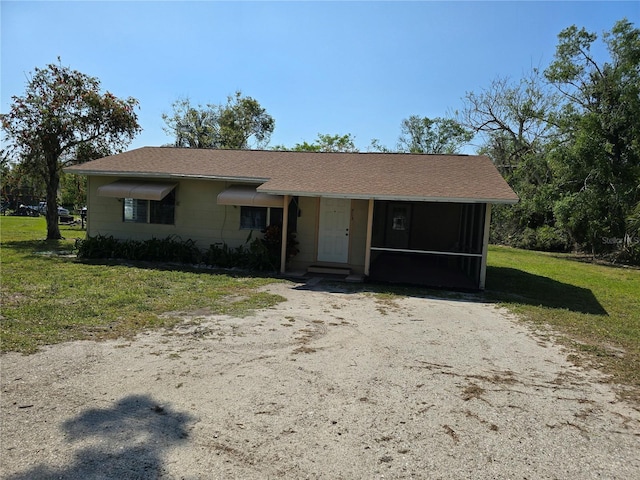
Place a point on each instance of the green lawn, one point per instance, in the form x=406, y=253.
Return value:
x=49, y=296
x=595, y=308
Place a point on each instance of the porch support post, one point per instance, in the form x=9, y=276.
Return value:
x=485, y=246
x=367, y=249
x=285, y=227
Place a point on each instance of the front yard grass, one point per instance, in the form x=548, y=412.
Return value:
x=49, y=297
x=592, y=308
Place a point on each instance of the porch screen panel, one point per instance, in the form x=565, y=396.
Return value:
x=442, y=246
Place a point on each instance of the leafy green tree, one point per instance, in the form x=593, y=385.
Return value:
x=325, y=143
x=597, y=167
x=633, y=223
x=437, y=135
x=240, y=123
x=61, y=117
x=514, y=119
x=73, y=190
x=244, y=123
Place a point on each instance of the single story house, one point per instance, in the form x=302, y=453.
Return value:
x=409, y=218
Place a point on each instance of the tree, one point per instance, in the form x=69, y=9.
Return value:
x=240, y=123
x=63, y=119
x=515, y=122
x=513, y=119
x=376, y=146
x=243, y=119
x=598, y=165
x=437, y=135
x=325, y=143
x=20, y=185
x=192, y=127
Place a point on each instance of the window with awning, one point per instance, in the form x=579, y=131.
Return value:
x=143, y=202
x=137, y=210
x=137, y=190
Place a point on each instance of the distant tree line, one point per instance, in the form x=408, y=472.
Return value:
x=567, y=139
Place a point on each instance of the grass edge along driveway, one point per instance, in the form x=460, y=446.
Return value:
x=49, y=297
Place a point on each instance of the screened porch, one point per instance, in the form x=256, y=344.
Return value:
x=433, y=244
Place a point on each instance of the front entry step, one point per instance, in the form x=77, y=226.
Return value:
x=329, y=270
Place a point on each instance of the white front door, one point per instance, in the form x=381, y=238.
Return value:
x=333, y=230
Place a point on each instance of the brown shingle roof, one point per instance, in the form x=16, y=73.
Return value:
x=354, y=175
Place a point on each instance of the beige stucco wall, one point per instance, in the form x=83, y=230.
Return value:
x=358, y=237
x=197, y=216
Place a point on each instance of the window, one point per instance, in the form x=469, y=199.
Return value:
x=257, y=218
x=253, y=218
x=135, y=210
x=150, y=211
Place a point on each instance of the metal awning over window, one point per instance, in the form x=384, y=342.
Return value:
x=247, y=196
x=140, y=190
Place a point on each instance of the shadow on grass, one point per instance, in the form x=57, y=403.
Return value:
x=511, y=285
x=124, y=441
x=506, y=285
x=40, y=247
x=503, y=284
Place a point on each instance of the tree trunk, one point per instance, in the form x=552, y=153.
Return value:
x=53, y=181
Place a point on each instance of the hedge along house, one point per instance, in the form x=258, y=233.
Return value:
x=409, y=218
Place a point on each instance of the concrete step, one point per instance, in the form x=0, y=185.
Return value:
x=329, y=270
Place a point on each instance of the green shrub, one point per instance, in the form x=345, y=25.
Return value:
x=551, y=239
x=223, y=256
x=256, y=254
x=170, y=249
x=545, y=238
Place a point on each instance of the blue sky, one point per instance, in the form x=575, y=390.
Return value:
x=317, y=67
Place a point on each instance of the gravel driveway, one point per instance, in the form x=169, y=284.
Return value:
x=328, y=384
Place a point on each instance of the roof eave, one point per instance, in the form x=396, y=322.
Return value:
x=160, y=175
x=396, y=198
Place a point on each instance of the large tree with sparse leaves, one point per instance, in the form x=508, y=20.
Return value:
x=64, y=118
x=512, y=119
x=432, y=135
x=240, y=123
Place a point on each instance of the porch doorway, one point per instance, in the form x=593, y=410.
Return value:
x=333, y=230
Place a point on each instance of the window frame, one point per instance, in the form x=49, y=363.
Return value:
x=244, y=214
x=152, y=212
x=268, y=217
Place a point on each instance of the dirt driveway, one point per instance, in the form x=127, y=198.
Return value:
x=328, y=384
